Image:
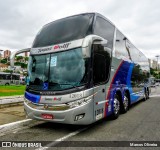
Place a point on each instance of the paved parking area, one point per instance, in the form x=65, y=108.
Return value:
x=11, y=114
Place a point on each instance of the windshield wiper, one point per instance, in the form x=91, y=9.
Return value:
x=65, y=84
x=69, y=84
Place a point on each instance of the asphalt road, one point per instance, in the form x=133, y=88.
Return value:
x=140, y=123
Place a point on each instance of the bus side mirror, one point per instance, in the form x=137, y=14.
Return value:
x=89, y=41
x=104, y=44
x=101, y=42
x=13, y=54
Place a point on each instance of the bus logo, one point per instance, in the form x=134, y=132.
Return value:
x=45, y=86
x=63, y=46
x=44, y=49
x=57, y=99
x=56, y=47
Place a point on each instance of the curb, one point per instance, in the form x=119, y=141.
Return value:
x=9, y=97
x=11, y=101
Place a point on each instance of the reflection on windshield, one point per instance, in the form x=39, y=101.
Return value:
x=38, y=70
x=64, y=30
x=61, y=70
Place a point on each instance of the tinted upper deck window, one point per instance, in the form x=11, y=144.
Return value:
x=121, y=48
x=104, y=29
x=64, y=30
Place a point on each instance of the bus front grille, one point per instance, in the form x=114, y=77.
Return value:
x=59, y=107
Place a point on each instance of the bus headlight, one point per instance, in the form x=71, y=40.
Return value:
x=79, y=102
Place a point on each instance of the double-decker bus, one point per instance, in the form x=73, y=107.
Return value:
x=9, y=78
x=82, y=69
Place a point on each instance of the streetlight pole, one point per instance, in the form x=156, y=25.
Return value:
x=157, y=64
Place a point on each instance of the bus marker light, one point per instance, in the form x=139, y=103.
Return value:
x=47, y=116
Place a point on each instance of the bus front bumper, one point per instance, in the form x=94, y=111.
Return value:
x=81, y=115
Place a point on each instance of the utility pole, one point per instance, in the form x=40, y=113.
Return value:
x=157, y=65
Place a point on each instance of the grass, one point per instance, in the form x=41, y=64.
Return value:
x=11, y=90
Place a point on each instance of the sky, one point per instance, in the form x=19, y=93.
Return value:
x=139, y=20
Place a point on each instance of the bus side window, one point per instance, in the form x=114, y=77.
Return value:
x=104, y=29
x=121, y=46
x=101, y=64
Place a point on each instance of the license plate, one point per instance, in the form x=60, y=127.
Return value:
x=47, y=116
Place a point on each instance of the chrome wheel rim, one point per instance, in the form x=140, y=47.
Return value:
x=116, y=105
x=125, y=102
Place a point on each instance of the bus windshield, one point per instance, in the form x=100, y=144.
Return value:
x=62, y=70
x=64, y=30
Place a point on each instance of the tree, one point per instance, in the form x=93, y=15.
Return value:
x=19, y=58
x=8, y=71
x=4, y=61
x=152, y=71
x=17, y=64
x=23, y=65
x=26, y=59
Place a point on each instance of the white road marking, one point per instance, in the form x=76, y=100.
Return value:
x=13, y=125
x=154, y=96
x=52, y=144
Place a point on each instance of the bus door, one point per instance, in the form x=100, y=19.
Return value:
x=101, y=69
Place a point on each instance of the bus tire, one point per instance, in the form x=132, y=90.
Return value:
x=145, y=95
x=7, y=84
x=116, y=107
x=125, y=106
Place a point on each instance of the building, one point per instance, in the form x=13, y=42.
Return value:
x=149, y=60
x=1, y=56
x=26, y=54
x=158, y=66
x=153, y=63
x=7, y=53
x=3, y=67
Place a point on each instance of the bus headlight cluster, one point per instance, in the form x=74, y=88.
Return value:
x=78, y=102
